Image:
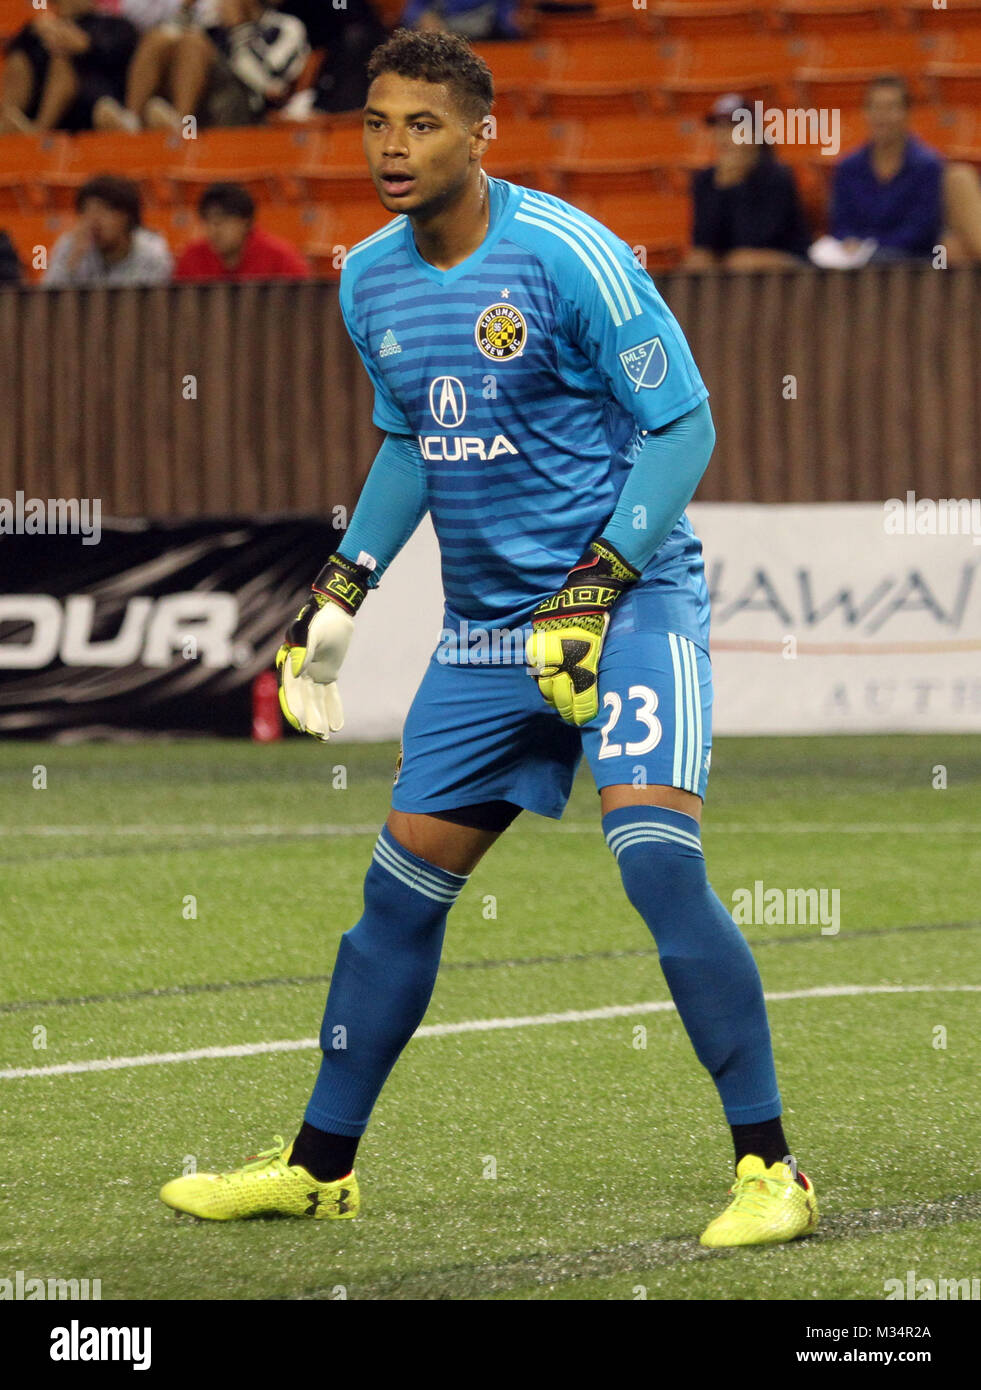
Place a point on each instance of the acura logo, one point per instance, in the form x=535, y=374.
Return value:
x=448, y=401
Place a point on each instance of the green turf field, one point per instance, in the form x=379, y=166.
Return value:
x=610, y=1157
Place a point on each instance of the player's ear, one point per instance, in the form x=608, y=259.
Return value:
x=482, y=132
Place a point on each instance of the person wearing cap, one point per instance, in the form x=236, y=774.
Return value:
x=747, y=212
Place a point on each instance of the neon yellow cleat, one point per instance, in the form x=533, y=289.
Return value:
x=768, y=1205
x=266, y=1184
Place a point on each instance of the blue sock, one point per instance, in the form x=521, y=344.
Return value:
x=382, y=983
x=709, y=968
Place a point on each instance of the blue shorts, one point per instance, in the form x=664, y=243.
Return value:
x=483, y=732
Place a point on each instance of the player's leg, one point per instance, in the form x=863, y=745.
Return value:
x=385, y=971
x=650, y=757
x=479, y=746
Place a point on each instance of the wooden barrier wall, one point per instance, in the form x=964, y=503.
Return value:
x=193, y=401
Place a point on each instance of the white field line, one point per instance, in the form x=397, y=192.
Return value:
x=474, y=1025
x=235, y=832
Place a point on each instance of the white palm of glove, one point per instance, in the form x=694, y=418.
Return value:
x=310, y=673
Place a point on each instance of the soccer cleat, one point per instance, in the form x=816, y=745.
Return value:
x=768, y=1205
x=264, y=1185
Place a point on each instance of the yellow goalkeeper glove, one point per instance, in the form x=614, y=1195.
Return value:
x=315, y=646
x=568, y=630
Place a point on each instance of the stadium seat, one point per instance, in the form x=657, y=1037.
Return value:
x=344, y=225
x=263, y=159
x=177, y=225
x=954, y=78
x=26, y=163
x=659, y=223
x=525, y=151
x=335, y=166
x=958, y=14
x=840, y=68
x=604, y=77
x=145, y=157
x=610, y=155
x=28, y=230
x=837, y=16
x=600, y=19
x=697, y=19
x=760, y=67
x=519, y=70
x=14, y=14
x=301, y=224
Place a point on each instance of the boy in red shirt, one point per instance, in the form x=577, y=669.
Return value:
x=232, y=247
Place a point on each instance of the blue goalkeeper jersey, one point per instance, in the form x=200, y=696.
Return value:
x=527, y=374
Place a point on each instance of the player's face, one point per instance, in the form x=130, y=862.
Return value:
x=419, y=145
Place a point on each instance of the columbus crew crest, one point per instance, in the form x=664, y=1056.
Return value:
x=501, y=332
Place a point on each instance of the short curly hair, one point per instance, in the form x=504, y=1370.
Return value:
x=438, y=57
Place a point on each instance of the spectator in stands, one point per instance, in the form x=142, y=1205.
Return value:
x=347, y=35
x=473, y=19
x=60, y=64
x=747, y=212
x=233, y=247
x=107, y=245
x=224, y=61
x=890, y=190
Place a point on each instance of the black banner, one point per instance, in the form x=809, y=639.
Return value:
x=157, y=628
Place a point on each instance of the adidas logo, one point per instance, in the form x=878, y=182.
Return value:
x=389, y=345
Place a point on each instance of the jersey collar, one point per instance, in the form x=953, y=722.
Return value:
x=503, y=201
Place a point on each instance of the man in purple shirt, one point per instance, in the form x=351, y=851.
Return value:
x=890, y=189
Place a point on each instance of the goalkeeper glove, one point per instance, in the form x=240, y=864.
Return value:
x=316, y=643
x=568, y=630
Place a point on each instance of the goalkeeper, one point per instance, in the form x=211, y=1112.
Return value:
x=541, y=403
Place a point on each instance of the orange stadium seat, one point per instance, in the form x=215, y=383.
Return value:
x=760, y=67
x=841, y=67
x=525, y=151
x=837, y=16
x=14, y=14
x=519, y=70
x=652, y=153
x=604, y=19
x=580, y=20
x=301, y=224
x=145, y=157
x=264, y=159
x=958, y=14
x=659, y=223
x=26, y=162
x=954, y=78
x=177, y=225
x=28, y=230
x=696, y=19
x=344, y=226
x=604, y=77
x=335, y=166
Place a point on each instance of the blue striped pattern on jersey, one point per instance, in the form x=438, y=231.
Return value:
x=526, y=452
